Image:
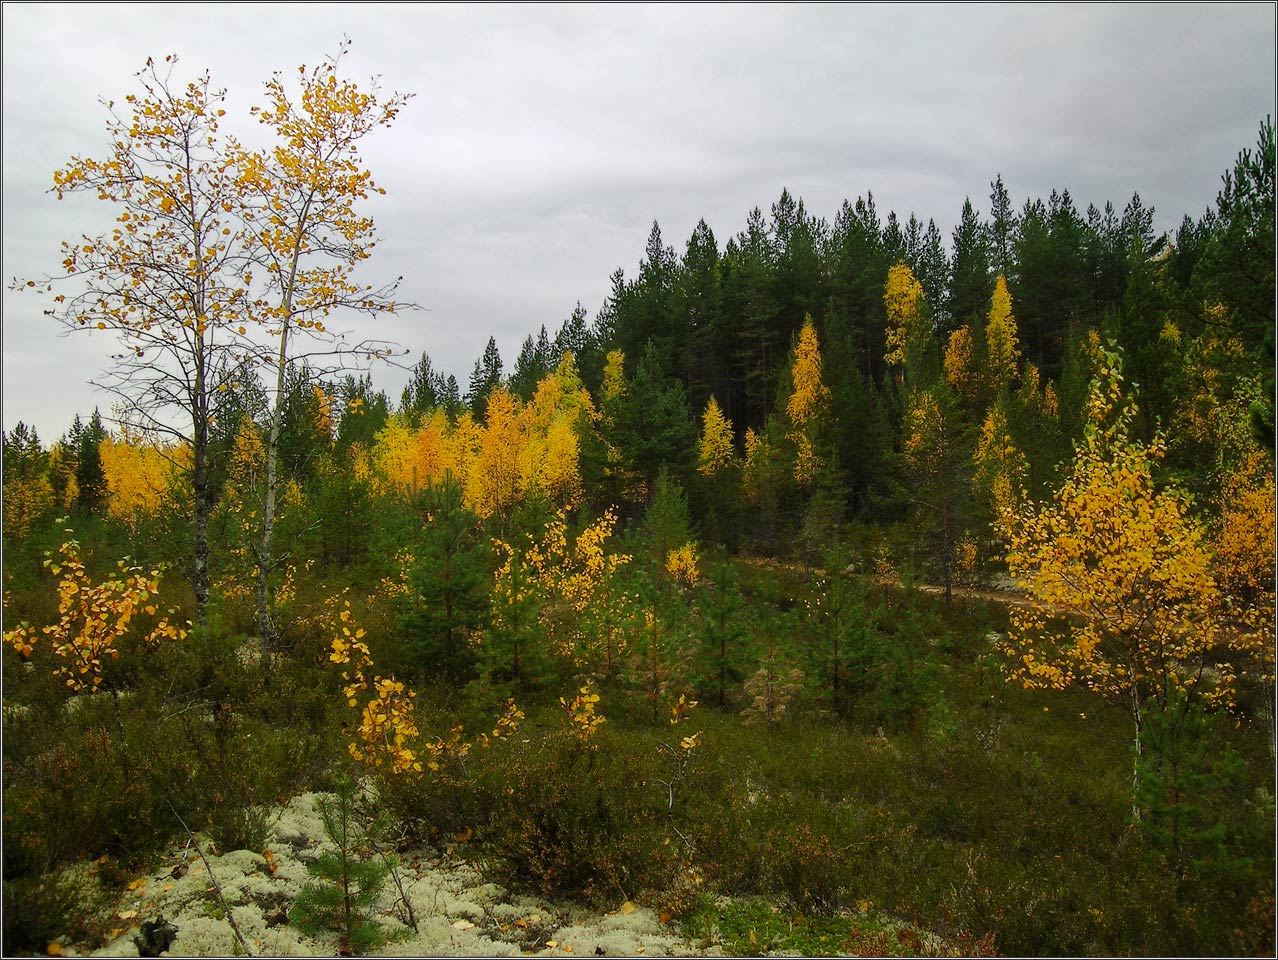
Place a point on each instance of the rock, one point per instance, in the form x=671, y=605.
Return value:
x=157, y=936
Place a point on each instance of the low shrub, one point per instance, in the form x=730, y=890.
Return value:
x=584, y=820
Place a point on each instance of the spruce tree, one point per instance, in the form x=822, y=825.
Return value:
x=422, y=394
x=653, y=427
x=90, y=477
x=970, y=280
x=484, y=379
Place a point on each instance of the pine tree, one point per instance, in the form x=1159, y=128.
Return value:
x=696, y=309
x=758, y=346
x=932, y=268
x=27, y=491
x=364, y=411
x=1003, y=228
x=895, y=248
x=856, y=314
x=573, y=336
x=935, y=447
x=308, y=423
x=346, y=881
x=970, y=281
x=64, y=459
x=723, y=631
x=450, y=398
x=667, y=524
x=448, y=585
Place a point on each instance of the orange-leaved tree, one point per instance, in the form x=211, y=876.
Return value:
x=1125, y=560
x=554, y=422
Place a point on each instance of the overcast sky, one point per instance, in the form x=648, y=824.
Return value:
x=543, y=140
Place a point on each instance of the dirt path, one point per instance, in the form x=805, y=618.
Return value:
x=989, y=595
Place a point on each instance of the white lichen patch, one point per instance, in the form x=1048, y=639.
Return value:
x=458, y=911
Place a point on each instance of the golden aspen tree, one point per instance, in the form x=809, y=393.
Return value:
x=566, y=588
x=461, y=444
x=405, y=460
x=582, y=714
x=906, y=330
x=763, y=469
x=808, y=404
x=1002, y=345
x=683, y=565
x=166, y=280
x=324, y=425
x=714, y=451
x=307, y=236
x=719, y=473
x=576, y=583
x=1126, y=559
x=387, y=719
x=557, y=474
x=393, y=459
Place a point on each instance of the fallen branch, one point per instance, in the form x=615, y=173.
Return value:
x=230, y=917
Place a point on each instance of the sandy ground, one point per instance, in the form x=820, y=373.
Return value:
x=458, y=913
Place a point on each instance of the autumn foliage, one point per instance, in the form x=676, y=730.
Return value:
x=1127, y=562
x=903, y=301
x=739, y=486
x=94, y=619
x=808, y=405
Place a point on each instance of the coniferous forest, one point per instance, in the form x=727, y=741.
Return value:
x=837, y=587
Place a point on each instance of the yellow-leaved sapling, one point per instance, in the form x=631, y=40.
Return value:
x=584, y=720
x=95, y=620
x=1125, y=558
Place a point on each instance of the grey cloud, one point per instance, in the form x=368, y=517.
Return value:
x=544, y=140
